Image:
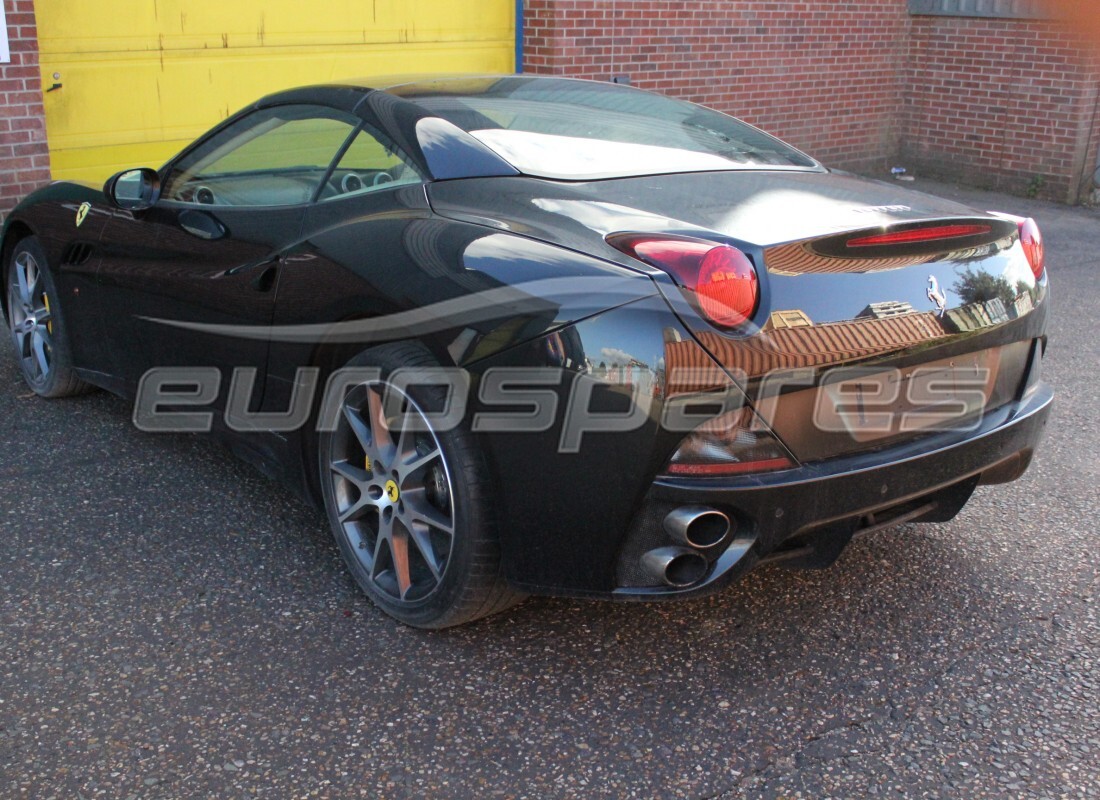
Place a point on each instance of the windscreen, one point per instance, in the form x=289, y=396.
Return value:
x=580, y=130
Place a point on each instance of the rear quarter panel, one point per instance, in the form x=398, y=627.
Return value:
x=383, y=267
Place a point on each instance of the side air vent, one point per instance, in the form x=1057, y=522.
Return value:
x=78, y=253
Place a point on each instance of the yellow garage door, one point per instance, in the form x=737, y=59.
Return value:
x=135, y=80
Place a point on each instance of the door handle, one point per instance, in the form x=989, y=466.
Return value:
x=265, y=281
x=266, y=269
x=252, y=266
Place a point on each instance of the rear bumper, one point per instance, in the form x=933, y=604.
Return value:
x=771, y=509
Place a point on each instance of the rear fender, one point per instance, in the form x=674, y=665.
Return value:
x=467, y=292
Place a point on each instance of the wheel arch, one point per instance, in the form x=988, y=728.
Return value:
x=329, y=357
x=17, y=230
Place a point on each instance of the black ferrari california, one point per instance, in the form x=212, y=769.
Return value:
x=534, y=335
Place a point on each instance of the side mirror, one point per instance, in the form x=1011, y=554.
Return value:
x=133, y=189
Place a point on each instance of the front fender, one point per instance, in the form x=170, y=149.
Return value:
x=50, y=214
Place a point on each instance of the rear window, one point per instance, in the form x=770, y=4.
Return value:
x=579, y=130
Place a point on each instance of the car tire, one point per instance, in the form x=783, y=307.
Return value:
x=410, y=506
x=36, y=323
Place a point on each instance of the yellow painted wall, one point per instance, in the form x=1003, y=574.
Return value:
x=142, y=78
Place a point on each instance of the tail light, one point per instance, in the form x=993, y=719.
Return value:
x=1032, y=242
x=915, y=235
x=719, y=279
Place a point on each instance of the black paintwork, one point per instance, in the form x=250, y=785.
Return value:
x=476, y=225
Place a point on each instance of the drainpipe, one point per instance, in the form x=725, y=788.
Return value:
x=519, y=36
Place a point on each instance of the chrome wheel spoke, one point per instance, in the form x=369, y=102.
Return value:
x=381, y=435
x=423, y=541
x=419, y=511
x=406, y=438
x=34, y=278
x=16, y=309
x=24, y=278
x=41, y=345
x=360, y=477
x=399, y=549
x=358, y=426
x=22, y=342
x=356, y=510
x=381, y=548
x=412, y=467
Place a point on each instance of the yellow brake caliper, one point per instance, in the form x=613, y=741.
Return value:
x=49, y=322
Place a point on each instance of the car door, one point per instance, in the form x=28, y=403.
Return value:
x=210, y=250
x=355, y=240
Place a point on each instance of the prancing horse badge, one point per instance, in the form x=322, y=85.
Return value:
x=82, y=212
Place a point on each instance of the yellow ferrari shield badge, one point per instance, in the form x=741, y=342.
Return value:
x=392, y=492
x=82, y=213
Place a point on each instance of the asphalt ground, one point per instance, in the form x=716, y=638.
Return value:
x=173, y=625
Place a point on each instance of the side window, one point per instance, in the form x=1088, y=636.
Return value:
x=273, y=157
x=370, y=163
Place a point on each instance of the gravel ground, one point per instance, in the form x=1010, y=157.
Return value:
x=172, y=625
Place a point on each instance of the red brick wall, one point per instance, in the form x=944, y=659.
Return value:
x=1006, y=103
x=824, y=76
x=24, y=157
x=860, y=84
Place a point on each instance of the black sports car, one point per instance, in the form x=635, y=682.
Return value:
x=522, y=334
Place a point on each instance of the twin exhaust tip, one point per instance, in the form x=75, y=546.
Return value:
x=676, y=566
x=695, y=529
x=698, y=527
